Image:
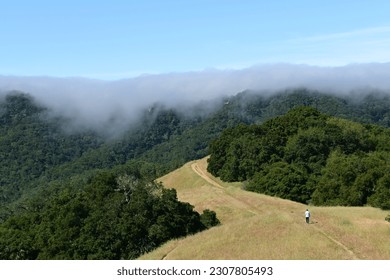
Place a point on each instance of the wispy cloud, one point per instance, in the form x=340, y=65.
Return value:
x=365, y=33
x=356, y=46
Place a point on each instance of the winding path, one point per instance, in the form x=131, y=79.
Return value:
x=202, y=173
x=196, y=168
x=199, y=171
x=353, y=255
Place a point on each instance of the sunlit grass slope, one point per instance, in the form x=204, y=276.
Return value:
x=256, y=226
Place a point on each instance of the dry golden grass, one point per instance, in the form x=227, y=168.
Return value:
x=256, y=226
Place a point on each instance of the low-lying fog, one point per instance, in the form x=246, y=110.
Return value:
x=94, y=103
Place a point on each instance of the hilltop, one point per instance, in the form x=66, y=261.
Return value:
x=256, y=226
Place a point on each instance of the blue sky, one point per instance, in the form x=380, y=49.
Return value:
x=120, y=39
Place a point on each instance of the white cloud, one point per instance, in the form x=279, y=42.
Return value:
x=97, y=104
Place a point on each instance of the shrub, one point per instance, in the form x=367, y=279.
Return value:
x=209, y=219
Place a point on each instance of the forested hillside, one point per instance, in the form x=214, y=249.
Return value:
x=114, y=216
x=307, y=156
x=31, y=143
x=45, y=166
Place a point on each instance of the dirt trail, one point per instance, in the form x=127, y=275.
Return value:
x=198, y=170
x=166, y=255
x=202, y=173
x=353, y=255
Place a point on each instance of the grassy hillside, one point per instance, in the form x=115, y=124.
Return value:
x=256, y=226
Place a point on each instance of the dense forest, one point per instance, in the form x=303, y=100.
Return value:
x=112, y=217
x=308, y=156
x=52, y=178
x=67, y=196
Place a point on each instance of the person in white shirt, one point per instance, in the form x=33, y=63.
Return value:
x=307, y=215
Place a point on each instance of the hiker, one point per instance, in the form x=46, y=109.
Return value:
x=307, y=215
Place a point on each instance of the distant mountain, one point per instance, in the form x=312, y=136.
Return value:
x=44, y=156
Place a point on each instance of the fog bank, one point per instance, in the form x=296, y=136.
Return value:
x=96, y=103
